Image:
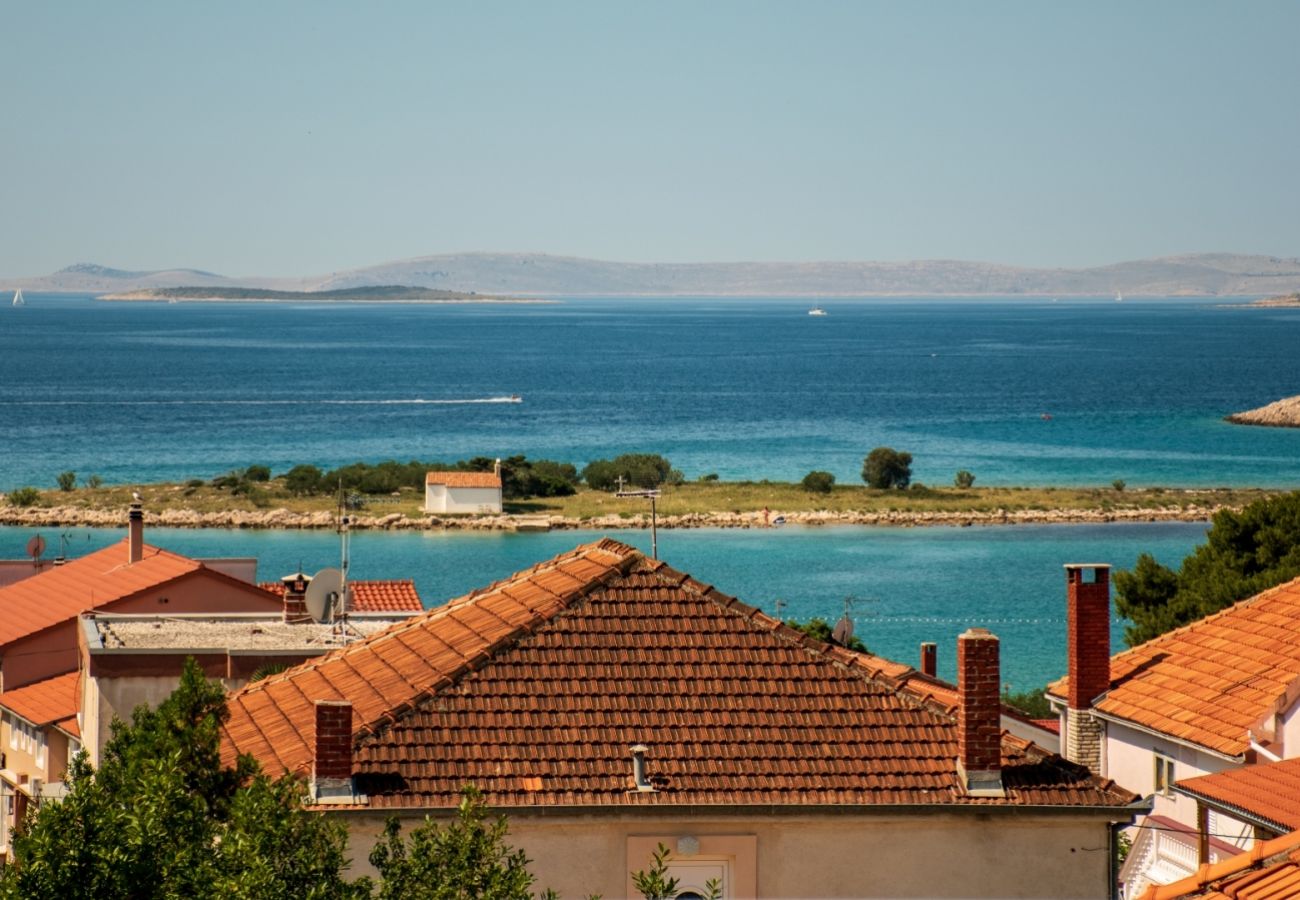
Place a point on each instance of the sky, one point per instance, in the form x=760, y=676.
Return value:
x=283, y=139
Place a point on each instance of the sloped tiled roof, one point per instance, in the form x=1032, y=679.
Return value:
x=536, y=687
x=375, y=595
x=45, y=702
x=1209, y=682
x=464, y=479
x=1268, y=871
x=93, y=581
x=1267, y=791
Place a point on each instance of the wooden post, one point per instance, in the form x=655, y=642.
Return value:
x=1202, y=834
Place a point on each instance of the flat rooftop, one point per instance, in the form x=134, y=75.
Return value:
x=227, y=632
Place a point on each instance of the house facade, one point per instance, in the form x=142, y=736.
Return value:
x=1207, y=697
x=463, y=492
x=608, y=703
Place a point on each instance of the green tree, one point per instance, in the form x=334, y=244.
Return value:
x=258, y=473
x=643, y=470
x=1244, y=553
x=1032, y=702
x=964, y=480
x=94, y=481
x=162, y=818
x=67, y=481
x=304, y=480
x=466, y=858
x=886, y=467
x=818, y=482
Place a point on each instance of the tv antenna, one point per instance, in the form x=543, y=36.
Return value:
x=843, y=630
x=653, y=497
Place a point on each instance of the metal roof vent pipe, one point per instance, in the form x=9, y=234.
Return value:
x=930, y=659
x=135, y=532
x=638, y=768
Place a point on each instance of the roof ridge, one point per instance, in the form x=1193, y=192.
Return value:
x=455, y=604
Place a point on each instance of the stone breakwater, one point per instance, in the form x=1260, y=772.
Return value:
x=63, y=517
x=1284, y=413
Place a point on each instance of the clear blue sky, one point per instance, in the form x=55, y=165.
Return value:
x=286, y=139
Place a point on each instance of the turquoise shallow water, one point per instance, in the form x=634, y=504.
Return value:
x=911, y=584
x=745, y=388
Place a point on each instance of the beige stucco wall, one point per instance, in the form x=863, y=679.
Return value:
x=104, y=698
x=1130, y=761
x=928, y=855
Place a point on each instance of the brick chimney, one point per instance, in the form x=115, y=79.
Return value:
x=295, y=598
x=135, y=533
x=1088, y=647
x=979, y=713
x=332, y=744
x=930, y=659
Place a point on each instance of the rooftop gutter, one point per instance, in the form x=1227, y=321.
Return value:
x=1237, y=812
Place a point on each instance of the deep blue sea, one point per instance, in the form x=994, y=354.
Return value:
x=745, y=388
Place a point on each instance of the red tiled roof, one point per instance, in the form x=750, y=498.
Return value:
x=1268, y=791
x=45, y=702
x=535, y=688
x=1268, y=871
x=464, y=479
x=376, y=595
x=1052, y=725
x=88, y=582
x=1209, y=682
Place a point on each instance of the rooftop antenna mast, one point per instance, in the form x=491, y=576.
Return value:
x=653, y=497
x=345, y=548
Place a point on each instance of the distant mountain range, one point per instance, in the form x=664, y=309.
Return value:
x=1201, y=274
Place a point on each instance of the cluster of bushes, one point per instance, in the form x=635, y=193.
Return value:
x=520, y=477
x=642, y=470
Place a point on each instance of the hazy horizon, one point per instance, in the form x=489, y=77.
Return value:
x=308, y=138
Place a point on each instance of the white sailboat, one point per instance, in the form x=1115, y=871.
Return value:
x=816, y=311
x=1119, y=296
x=18, y=298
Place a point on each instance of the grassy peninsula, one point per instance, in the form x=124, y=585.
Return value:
x=392, y=293
x=689, y=505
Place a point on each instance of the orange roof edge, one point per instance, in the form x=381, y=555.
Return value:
x=1207, y=874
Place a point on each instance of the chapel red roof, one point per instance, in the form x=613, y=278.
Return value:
x=1209, y=682
x=1265, y=791
x=464, y=479
x=45, y=702
x=535, y=688
x=93, y=581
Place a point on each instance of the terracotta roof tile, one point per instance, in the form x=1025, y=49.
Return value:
x=376, y=595
x=1268, y=871
x=464, y=479
x=1268, y=791
x=45, y=702
x=93, y=581
x=536, y=687
x=1209, y=682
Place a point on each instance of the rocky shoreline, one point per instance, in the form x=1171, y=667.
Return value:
x=1284, y=413
x=67, y=517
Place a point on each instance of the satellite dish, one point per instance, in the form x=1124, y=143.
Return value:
x=843, y=630
x=35, y=547
x=323, y=595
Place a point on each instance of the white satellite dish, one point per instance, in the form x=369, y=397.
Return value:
x=843, y=631
x=323, y=595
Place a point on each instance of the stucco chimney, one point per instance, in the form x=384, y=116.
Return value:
x=135, y=533
x=295, y=598
x=930, y=659
x=332, y=742
x=1088, y=649
x=496, y=468
x=979, y=713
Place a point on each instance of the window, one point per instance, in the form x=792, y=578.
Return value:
x=1164, y=777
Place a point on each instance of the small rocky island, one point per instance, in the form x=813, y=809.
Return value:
x=1280, y=300
x=387, y=293
x=1285, y=413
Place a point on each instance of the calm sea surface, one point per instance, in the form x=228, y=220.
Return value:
x=910, y=584
x=745, y=388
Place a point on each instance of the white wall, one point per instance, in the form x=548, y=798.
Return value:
x=1130, y=761
x=439, y=498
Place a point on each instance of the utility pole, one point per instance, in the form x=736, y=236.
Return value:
x=652, y=496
